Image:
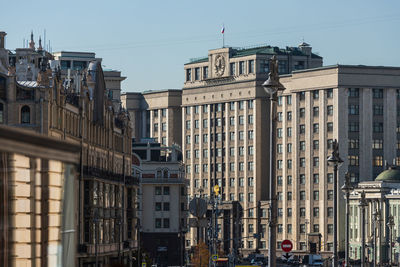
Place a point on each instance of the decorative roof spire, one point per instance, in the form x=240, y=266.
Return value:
x=32, y=43
x=40, y=48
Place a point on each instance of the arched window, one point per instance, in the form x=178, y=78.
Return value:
x=1, y=113
x=25, y=115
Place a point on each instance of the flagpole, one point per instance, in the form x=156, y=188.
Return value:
x=223, y=35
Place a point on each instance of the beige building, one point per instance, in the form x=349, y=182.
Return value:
x=80, y=112
x=155, y=114
x=163, y=201
x=38, y=203
x=225, y=125
x=358, y=106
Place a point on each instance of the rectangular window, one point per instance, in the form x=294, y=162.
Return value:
x=330, y=213
x=158, y=223
x=329, y=93
x=197, y=74
x=188, y=75
x=315, y=111
x=316, y=144
x=302, y=129
x=302, y=212
x=289, y=115
x=166, y=223
x=289, y=148
x=205, y=72
x=232, y=121
x=378, y=110
x=251, y=135
x=302, y=162
x=279, y=179
x=157, y=190
x=166, y=190
x=316, y=178
x=241, y=104
x=251, y=66
x=302, y=195
x=250, y=103
x=329, y=126
x=157, y=206
x=315, y=128
x=377, y=161
x=205, y=123
x=353, y=160
x=302, y=96
x=205, y=108
x=232, y=69
x=316, y=195
x=353, y=109
x=251, y=150
x=315, y=94
x=289, y=179
x=353, y=92
x=302, y=112
x=353, y=127
x=329, y=194
x=289, y=99
x=196, y=124
x=250, y=119
x=302, y=179
x=188, y=125
x=241, y=67
x=289, y=131
x=205, y=138
x=241, y=151
x=377, y=93
x=241, y=120
x=377, y=144
x=329, y=110
x=316, y=212
x=378, y=127
x=302, y=146
x=329, y=178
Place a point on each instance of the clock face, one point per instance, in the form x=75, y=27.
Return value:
x=219, y=65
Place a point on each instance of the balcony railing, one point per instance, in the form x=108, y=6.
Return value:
x=110, y=176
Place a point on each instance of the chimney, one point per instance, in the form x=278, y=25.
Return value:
x=2, y=40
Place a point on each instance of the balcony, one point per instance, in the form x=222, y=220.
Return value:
x=110, y=176
x=181, y=181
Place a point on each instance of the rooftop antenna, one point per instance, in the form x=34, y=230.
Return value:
x=44, y=39
x=23, y=43
x=223, y=35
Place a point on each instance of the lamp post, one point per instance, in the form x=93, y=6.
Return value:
x=390, y=224
x=271, y=87
x=363, y=203
x=346, y=188
x=376, y=219
x=336, y=161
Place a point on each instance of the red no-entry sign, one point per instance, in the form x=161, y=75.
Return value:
x=287, y=245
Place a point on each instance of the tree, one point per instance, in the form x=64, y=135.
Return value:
x=201, y=255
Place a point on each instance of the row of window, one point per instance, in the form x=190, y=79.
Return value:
x=302, y=112
x=302, y=163
x=302, y=96
x=302, y=179
x=250, y=182
x=162, y=223
x=163, y=112
x=161, y=190
x=302, y=195
x=221, y=106
x=218, y=137
x=220, y=167
x=302, y=146
x=302, y=129
x=219, y=152
x=218, y=122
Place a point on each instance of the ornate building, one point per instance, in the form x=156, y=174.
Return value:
x=81, y=113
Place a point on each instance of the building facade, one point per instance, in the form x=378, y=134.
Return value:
x=225, y=126
x=358, y=106
x=163, y=202
x=156, y=114
x=80, y=112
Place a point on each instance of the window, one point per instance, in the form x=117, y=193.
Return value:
x=250, y=104
x=316, y=144
x=232, y=136
x=316, y=161
x=329, y=126
x=302, y=195
x=289, y=99
x=197, y=74
x=316, y=195
x=316, y=212
x=232, y=121
x=196, y=124
x=289, y=147
x=330, y=228
x=302, y=96
x=156, y=127
x=205, y=183
x=329, y=93
x=302, y=146
x=250, y=197
x=378, y=110
x=354, y=127
x=205, y=123
x=280, y=228
x=251, y=66
x=329, y=195
x=241, y=151
x=158, y=223
x=251, y=150
x=196, y=168
x=205, y=138
x=302, y=179
x=280, y=116
x=330, y=212
x=251, y=135
x=166, y=190
x=166, y=223
x=279, y=179
x=241, y=67
x=302, y=162
x=289, y=228
x=187, y=139
x=188, y=170
x=232, y=69
x=279, y=132
x=188, y=123
x=196, y=139
x=315, y=111
x=166, y=206
x=157, y=190
x=241, y=198
x=378, y=127
x=289, y=212
x=289, y=179
x=205, y=167
x=250, y=119
x=302, y=212
x=302, y=112
x=302, y=228
x=353, y=109
x=316, y=228
x=205, y=108
x=289, y=116
x=250, y=181
x=316, y=178
x=353, y=92
x=315, y=94
x=330, y=143
x=329, y=178
x=25, y=115
x=302, y=129
x=164, y=112
x=241, y=120
x=218, y=122
x=315, y=128
x=205, y=153
x=289, y=195
x=279, y=148
x=205, y=72
x=280, y=100
x=289, y=131
x=377, y=93
x=231, y=105
x=289, y=163
x=241, y=166
x=251, y=228
x=377, y=144
x=353, y=160
x=377, y=161
x=279, y=164
x=188, y=75
x=157, y=206
x=329, y=110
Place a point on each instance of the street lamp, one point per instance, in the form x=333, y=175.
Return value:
x=346, y=188
x=363, y=203
x=390, y=224
x=271, y=87
x=336, y=161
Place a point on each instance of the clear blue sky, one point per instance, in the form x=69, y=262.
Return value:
x=149, y=41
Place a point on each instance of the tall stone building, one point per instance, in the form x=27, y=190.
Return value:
x=357, y=105
x=225, y=125
x=80, y=112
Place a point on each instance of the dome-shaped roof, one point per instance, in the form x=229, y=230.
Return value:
x=391, y=175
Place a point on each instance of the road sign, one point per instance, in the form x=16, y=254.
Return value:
x=198, y=207
x=287, y=245
x=214, y=257
x=143, y=264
